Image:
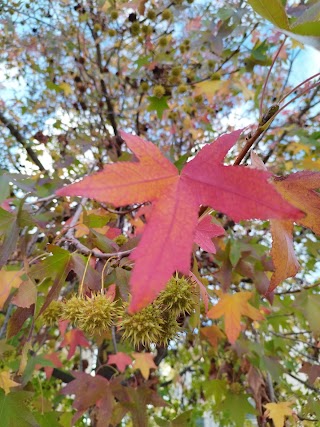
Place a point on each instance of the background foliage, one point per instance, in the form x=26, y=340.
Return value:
x=178, y=74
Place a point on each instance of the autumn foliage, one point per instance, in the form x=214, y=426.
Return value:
x=159, y=214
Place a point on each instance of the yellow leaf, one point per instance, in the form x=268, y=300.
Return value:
x=66, y=88
x=8, y=280
x=6, y=383
x=278, y=411
x=144, y=362
x=232, y=307
x=308, y=163
x=209, y=88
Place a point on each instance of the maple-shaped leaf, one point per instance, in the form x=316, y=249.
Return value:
x=8, y=280
x=282, y=253
x=73, y=338
x=205, y=231
x=89, y=391
x=14, y=410
x=121, y=360
x=144, y=362
x=6, y=382
x=26, y=295
x=166, y=243
x=300, y=190
x=232, y=307
x=278, y=412
x=213, y=334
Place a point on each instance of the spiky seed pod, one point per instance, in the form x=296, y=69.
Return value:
x=166, y=15
x=72, y=309
x=135, y=28
x=170, y=328
x=159, y=91
x=176, y=71
x=111, y=32
x=53, y=313
x=151, y=14
x=147, y=29
x=163, y=41
x=114, y=14
x=144, y=327
x=198, y=98
x=120, y=240
x=97, y=314
x=178, y=296
x=144, y=86
x=182, y=88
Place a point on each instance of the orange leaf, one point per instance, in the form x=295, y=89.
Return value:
x=232, y=307
x=282, y=253
x=144, y=362
x=299, y=189
x=213, y=334
x=8, y=280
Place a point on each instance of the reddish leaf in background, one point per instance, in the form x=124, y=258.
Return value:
x=121, y=360
x=73, y=338
x=205, y=231
x=166, y=243
x=88, y=391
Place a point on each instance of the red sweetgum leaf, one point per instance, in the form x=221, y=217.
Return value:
x=213, y=334
x=89, y=391
x=74, y=338
x=166, y=243
x=121, y=360
x=232, y=307
x=205, y=231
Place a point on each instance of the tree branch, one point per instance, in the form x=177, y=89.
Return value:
x=16, y=133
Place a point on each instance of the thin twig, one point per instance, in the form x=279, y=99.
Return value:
x=268, y=75
x=18, y=136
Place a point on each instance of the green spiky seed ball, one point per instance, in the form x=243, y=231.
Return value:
x=114, y=14
x=112, y=32
x=159, y=91
x=176, y=71
x=151, y=14
x=144, y=327
x=166, y=14
x=120, y=240
x=198, y=99
x=147, y=29
x=97, y=314
x=72, y=309
x=135, y=28
x=170, y=328
x=144, y=86
x=53, y=313
x=182, y=88
x=178, y=296
x=163, y=41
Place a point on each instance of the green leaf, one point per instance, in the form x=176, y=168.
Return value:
x=309, y=304
x=48, y=419
x=237, y=404
x=272, y=10
x=158, y=104
x=9, y=226
x=14, y=411
x=57, y=266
